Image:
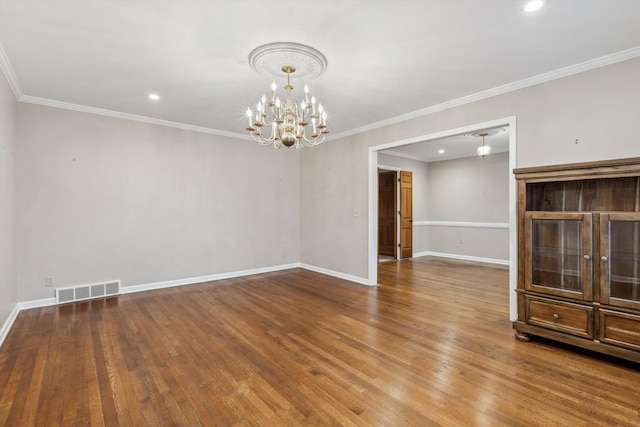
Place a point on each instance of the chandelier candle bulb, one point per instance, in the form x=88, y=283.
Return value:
x=273, y=92
x=249, y=114
x=278, y=113
x=259, y=114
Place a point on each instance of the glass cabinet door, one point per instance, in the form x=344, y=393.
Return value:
x=620, y=259
x=558, y=254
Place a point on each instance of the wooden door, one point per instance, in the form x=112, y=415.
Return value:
x=387, y=214
x=406, y=214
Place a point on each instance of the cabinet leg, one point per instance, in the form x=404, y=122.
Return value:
x=523, y=336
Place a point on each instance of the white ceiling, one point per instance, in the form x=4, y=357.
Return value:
x=386, y=59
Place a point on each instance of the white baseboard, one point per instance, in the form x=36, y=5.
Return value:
x=36, y=303
x=349, y=277
x=463, y=257
x=6, y=327
x=202, y=279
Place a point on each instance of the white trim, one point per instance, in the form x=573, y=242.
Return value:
x=389, y=168
x=127, y=116
x=372, y=272
x=339, y=275
x=498, y=225
x=404, y=155
x=202, y=279
x=511, y=122
x=463, y=257
x=603, y=61
x=513, y=223
x=7, y=69
x=6, y=327
x=8, y=324
x=510, y=87
x=37, y=303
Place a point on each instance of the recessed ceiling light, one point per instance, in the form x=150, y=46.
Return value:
x=533, y=5
x=441, y=151
x=154, y=96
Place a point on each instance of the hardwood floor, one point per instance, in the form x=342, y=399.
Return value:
x=431, y=345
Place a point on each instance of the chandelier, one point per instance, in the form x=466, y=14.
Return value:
x=288, y=121
x=284, y=122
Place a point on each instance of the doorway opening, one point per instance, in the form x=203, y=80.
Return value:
x=510, y=124
x=395, y=213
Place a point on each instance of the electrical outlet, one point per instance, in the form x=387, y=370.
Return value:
x=356, y=213
x=48, y=281
x=462, y=241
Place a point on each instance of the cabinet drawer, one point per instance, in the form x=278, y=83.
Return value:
x=573, y=319
x=620, y=329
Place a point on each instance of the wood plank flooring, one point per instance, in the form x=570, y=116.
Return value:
x=431, y=345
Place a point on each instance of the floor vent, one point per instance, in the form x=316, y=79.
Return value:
x=85, y=292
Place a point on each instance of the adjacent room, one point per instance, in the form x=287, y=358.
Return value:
x=372, y=213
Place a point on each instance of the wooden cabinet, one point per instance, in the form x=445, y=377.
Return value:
x=579, y=255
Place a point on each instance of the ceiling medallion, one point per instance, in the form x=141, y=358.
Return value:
x=268, y=60
x=292, y=124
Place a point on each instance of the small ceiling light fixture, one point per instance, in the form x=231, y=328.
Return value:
x=483, y=150
x=533, y=5
x=441, y=151
x=292, y=124
x=154, y=96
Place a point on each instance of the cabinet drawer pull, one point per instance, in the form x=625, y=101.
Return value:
x=604, y=258
x=587, y=257
x=556, y=316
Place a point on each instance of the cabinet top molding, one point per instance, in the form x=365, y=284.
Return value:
x=568, y=171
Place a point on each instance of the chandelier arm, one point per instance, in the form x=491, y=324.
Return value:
x=261, y=140
x=313, y=141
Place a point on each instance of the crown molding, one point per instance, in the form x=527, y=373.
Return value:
x=7, y=69
x=127, y=116
x=406, y=156
x=510, y=87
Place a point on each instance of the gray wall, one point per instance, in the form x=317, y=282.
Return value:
x=101, y=198
x=467, y=190
x=599, y=107
x=8, y=290
x=470, y=190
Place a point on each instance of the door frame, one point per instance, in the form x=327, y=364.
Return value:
x=513, y=232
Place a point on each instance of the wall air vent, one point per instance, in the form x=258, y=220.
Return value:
x=86, y=292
